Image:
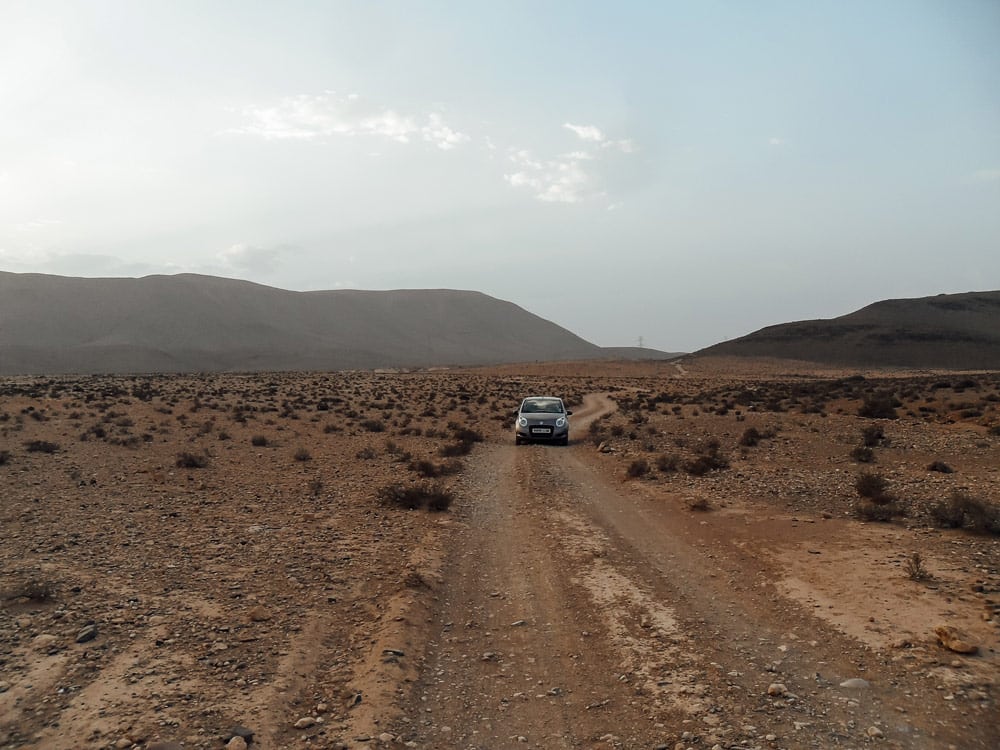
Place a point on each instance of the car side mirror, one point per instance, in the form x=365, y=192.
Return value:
x=569, y=414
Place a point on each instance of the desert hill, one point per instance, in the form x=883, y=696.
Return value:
x=193, y=323
x=958, y=331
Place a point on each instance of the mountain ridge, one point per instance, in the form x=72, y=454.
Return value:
x=949, y=331
x=194, y=323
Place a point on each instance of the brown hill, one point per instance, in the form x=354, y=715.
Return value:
x=955, y=331
x=192, y=323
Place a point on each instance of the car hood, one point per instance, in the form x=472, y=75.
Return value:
x=542, y=418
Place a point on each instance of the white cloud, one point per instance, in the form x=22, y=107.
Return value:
x=436, y=132
x=986, y=175
x=775, y=141
x=251, y=257
x=326, y=115
x=586, y=132
x=571, y=177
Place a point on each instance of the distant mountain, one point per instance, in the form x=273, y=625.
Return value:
x=954, y=331
x=193, y=323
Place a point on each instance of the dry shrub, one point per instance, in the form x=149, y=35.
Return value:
x=940, y=466
x=862, y=454
x=4, y=457
x=41, y=446
x=915, y=569
x=872, y=435
x=698, y=503
x=668, y=462
x=879, y=406
x=886, y=510
x=302, y=455
x=638, y=468
x=708, y=457
x=751, y=436
x=871, y=486
x=961, y=510
x=188, y=460
x=259, y=441
x=434, y=497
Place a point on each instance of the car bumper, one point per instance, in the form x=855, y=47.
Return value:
x=529, y=433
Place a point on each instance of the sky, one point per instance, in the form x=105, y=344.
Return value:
x=675, y=173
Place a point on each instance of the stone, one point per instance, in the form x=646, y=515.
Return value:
x=777, y=689
x=855, y=683
x=4, y=686
x=44, y=641
x=305, y=722
x=165, y=746
x=124, y=743
x=953, y=640
x=386, y=737
x=236, y=743
x=239, y=731
x=87, y=633
x=874, y=732
x=259, y=614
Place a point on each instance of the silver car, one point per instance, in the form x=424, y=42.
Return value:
x=542, y=418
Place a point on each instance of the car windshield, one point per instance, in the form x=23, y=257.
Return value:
x=542, y=406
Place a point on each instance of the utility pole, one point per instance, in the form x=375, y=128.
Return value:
x=640, y=342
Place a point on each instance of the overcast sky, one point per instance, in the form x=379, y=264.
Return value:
x=686, y=172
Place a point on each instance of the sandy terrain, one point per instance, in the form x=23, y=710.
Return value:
x=188, y=561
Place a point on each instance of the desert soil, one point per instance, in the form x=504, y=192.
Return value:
x=189, y=559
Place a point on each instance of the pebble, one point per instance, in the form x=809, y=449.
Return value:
x=305, y=722
x=855, y=683
x=874, y=732
x=777, y=689
x=124, y=743
x=87, y=633
x=4, y=686
x=236, y=743
x=239, y=731
x=386, y=737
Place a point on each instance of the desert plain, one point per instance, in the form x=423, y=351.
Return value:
x=730, y=553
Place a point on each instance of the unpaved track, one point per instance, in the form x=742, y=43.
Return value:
x=577, y=613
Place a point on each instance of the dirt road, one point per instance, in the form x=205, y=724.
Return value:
x=576, y=613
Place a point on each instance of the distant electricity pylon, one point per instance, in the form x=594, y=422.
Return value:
x=640, y=342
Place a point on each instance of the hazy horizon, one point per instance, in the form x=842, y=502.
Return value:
x=681, y=172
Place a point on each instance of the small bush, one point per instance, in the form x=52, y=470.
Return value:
x=940, y=466
x=879, y=406
x=302, y=455
x=41, y=446
x=915, y=569
x=4, y=457
x=751, y=436
x=883, y=510
x=698, y=504
x=872, y=486
x=450, y=450
x=961, y=510
x=668, y=462
x=259, y=441
x=863, y=454
x=187, y=460
x=434, y=497
x=708, y=458
x=316, y=486
x=994, y=430
x=373, y=425
x=366, y=454
x=638, y=468
x=872, y=435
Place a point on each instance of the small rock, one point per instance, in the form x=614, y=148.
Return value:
x=236, y=743
x=952, y=640
x=165, y=746
x=322, y=708
x=87, y=633
x=44, y=641
x=4, y=686
x=770, y=737
x=777, y=689
x=855, y=683
x=124, y=743
x=239, y=731
x=874, y=732
x=518, y=623
x=305, y=722
x=386, y=737
x=259, y=614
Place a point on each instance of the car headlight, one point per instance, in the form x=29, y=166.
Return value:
x=561, y=422
x=522, y=421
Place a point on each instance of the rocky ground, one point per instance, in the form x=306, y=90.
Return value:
x=366, y=560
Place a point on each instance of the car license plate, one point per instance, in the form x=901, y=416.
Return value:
x=541, y=430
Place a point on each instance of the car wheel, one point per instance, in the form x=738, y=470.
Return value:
x=564, y=441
